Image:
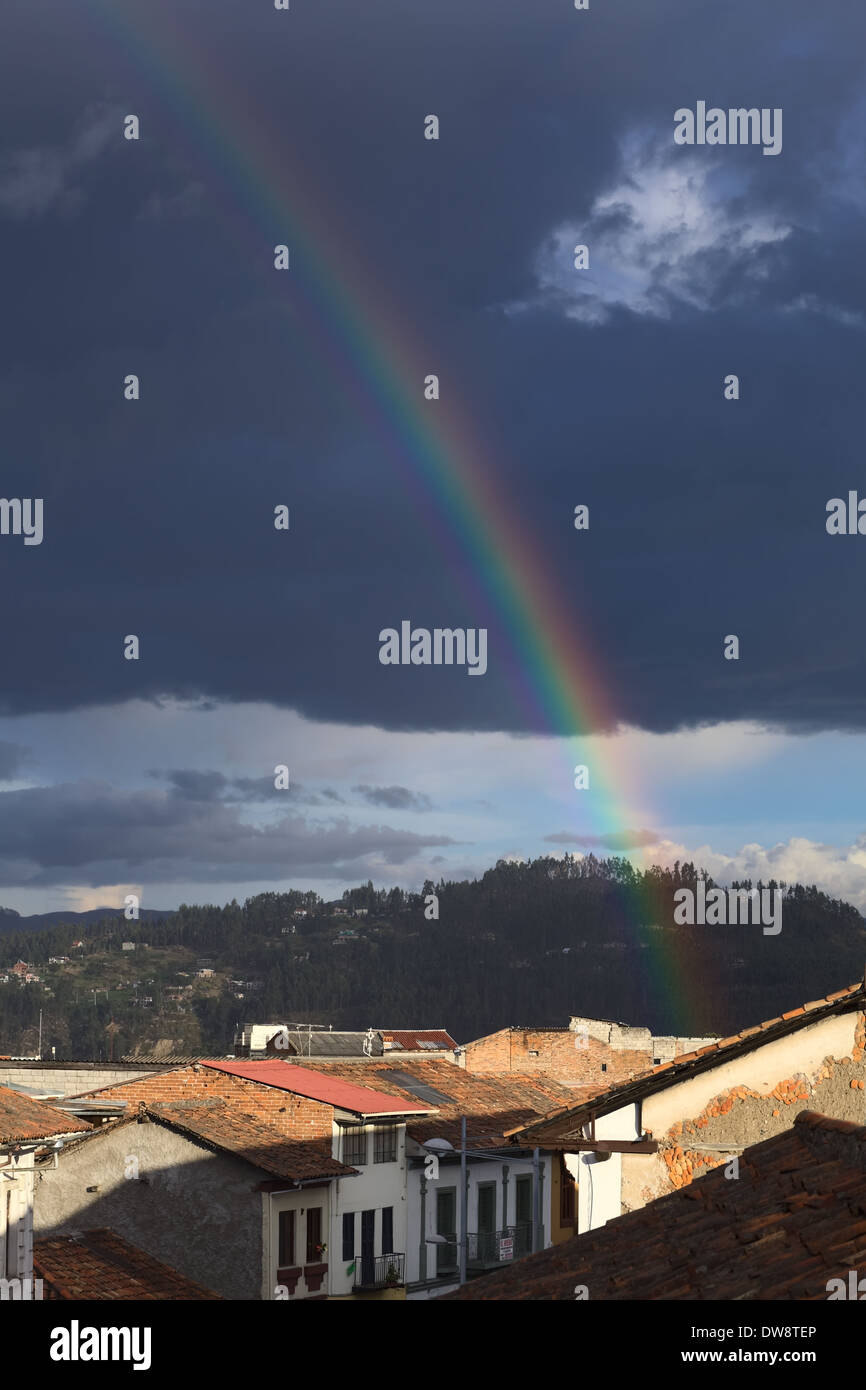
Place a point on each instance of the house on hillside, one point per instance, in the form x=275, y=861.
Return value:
x=24, y=973
x=645, y=1137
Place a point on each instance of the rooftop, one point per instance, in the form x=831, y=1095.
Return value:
x=220, y=1125
x=329, y=1089
x=492, y=1104
x=22, y=1119
x=100, y=1264
x=559, y=1122
x=794, y=1220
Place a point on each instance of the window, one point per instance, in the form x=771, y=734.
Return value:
x=446, y=1225
x=385, y=1145
x=604, y=1066
x=657, y=1061
x=349, y=1235
x=523, y=1218
x=287, y=1238
x=314, y=1235
x=387, y=1230
x=486, y=1207
x=355, y=1146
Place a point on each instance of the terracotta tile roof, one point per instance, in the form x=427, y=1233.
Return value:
x=414, y=1039
x=794, y=1219
x=222, y=1127
x=669, y=1073
x=261, y=1086
x=22, y=1118
x=330, y=1090
x=491, y=1103
x=100, y=1264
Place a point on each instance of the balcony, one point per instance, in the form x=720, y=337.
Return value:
x=379, y=1272
x=492, y=1249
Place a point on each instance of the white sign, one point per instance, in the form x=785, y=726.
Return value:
x=506, y=1248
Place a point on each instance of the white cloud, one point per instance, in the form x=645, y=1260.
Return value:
x=839, y=870
x=669, y=231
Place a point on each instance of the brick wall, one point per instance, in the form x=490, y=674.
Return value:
x=590, y=1052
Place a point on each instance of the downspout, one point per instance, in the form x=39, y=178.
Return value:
x=422, y=1261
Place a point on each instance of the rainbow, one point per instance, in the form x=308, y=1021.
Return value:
x=432, y=443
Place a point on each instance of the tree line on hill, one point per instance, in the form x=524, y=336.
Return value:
x=527, y=943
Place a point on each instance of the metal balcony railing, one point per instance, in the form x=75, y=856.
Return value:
x=379, y=1272
x=486, y=1249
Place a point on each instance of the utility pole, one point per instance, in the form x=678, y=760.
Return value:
x=537, y=1218
x=464, y=1201
x=40, y=1035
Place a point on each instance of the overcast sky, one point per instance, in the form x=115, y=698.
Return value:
x=260, y=647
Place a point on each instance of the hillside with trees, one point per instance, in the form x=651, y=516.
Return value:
x=527, y=943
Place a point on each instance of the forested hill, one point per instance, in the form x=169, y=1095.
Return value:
x=13, y=922
x=528, y=943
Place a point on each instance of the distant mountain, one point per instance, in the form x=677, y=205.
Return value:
x=12, y=921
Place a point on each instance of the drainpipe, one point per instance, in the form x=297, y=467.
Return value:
x=422, y=1263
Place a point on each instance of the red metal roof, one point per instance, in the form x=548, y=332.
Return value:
x=314, y=1085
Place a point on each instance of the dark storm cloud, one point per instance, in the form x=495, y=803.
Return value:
x=192, y=785
x=395, y=798
x=707, y=516
x=92, y=833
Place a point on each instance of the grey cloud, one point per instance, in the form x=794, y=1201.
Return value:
x=92, y=833
x=394, y=798
x=12, y=757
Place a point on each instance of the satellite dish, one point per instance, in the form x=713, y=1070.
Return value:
x=440, y=1144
